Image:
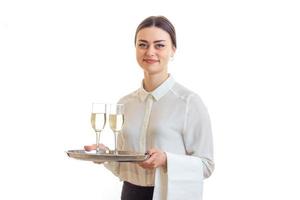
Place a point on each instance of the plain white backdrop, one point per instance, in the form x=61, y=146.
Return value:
x=59, y=56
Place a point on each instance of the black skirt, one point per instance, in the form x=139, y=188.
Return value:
x=135, y=192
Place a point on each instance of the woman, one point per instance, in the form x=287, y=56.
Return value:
x=166, y=120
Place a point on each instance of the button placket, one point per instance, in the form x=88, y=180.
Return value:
x=143, y=137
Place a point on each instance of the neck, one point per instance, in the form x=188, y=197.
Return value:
x=152, y=81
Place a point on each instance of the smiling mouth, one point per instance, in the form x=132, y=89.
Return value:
x=150, y=61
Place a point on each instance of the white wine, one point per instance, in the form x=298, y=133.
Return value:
x=98, y=121
x=116, y=121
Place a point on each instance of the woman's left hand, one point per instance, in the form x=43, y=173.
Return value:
x=157, y=159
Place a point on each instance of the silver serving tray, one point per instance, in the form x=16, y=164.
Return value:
x=122, y=156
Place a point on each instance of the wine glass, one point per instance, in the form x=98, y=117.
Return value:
x=98, y=120
x=116, y=121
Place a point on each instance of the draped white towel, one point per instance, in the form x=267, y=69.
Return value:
x=182, y=180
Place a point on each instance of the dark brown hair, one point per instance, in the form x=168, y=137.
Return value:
x=159, y=22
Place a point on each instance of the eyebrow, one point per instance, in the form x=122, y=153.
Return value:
x=156, y=41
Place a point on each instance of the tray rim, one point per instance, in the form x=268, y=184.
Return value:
x=126, y=156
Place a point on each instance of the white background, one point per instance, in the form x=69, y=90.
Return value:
x=59, y=56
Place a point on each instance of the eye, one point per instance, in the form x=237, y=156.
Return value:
x=160, y=46
x=142, y=45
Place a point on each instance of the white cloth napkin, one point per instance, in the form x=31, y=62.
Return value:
x=182, y=180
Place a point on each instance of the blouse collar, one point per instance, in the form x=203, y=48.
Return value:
x=159, y=92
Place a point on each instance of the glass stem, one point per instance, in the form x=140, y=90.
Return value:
x=116, y=143
x=97, y=141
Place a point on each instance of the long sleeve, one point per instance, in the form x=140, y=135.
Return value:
x=184, y=176
x=197, y=134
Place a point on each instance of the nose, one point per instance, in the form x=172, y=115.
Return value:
x=150, y=51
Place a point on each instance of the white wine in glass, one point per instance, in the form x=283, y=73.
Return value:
x=98, y=120
x=116, y=121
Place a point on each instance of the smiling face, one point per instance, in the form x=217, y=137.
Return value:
x=153, y=50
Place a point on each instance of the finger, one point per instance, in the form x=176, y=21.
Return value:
x=151, y=159
x=102, y=146
x=142, y=165
x=149, y=163
x=89, y=147
x=146, y=166
x=94, y=147
x=151, y=151
x=146, y=163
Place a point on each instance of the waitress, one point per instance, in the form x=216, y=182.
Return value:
x=165, y=119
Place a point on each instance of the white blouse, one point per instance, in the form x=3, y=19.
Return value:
x=174, y=120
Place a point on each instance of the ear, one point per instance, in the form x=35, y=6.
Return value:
x=173, y=51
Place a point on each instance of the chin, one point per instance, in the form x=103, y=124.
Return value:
x=151, y=68
x=152, y=72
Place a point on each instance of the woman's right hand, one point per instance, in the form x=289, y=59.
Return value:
x=93, y=147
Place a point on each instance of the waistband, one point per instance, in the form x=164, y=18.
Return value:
x=137, y=187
